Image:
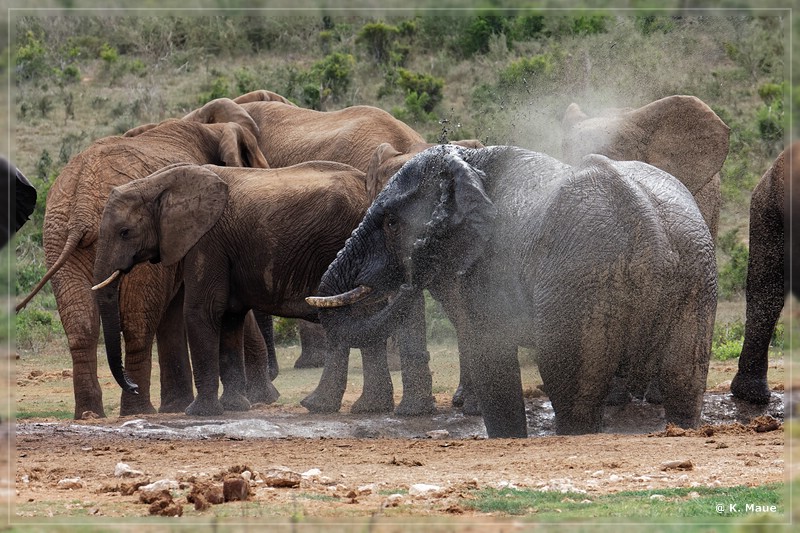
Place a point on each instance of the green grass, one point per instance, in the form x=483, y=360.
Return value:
x=670, y=504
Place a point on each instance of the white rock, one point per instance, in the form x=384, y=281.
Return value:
x=393, y=500
x=161, y=484
x=694, y=495
x=598, y=473
x=247, y=475
x=123, y=470
x=438, y=434
x=613, y=478
x=366, y=489
x=657, y=496
x=311, y=474
x=70, y=483
x=422, y=489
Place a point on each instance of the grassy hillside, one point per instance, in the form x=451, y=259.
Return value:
x=504, y=77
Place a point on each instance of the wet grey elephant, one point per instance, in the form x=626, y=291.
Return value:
x=678, y=134
x=150, y=298
x=244, y=239
x=593, y=266
x=17, y=195
x=774, y=239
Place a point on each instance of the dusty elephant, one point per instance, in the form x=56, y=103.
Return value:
x=774, y=206
x=678, y=134
x=244, y=239
x=150, y=300
x=530, y=251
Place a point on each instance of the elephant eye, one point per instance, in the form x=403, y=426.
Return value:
x=123, y=233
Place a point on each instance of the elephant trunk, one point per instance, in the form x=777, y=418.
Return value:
x=108, y=302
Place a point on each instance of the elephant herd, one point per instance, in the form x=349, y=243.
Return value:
x=252, y=207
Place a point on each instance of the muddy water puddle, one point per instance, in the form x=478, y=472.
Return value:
x=635, y=417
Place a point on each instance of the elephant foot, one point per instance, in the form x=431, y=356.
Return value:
x=373, y=404
x=471, y=405
x=416, y=406
x=234, y=401
x=458, y=396
x=131, y=404
x=751, y=389
x=205, y=407
x=175, y=405
x=315, y=360
x=576, y=427
x=263, y=393
x=653, y=394
x=317, y=402
x=618, y=397
x=89, y=407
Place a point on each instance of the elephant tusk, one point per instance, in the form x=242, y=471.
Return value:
x=111, y=278
x=340, y=300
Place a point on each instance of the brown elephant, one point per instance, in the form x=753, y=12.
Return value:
x=290, y=135
x=244, y=239
x=774, y=207
x=150, y=300
x=678, y=134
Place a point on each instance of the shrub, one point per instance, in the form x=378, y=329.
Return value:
x=31, y=57
x=334, y=73
x=733, y=273
x=770, y=122
x=479, y=33
x=285, y=330
x=108, y=53
x=219, y=88
x=727, y=350
x=378, y=39
x=650, y=24
x=35, y=328
x=527, y=68
x=426, y=88
x=245, y=81
x=527, y=27
x=71, y=74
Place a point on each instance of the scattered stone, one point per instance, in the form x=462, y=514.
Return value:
x=247, y=475
x=674, y=431
x=235, y=489
x=366, y=489
x=677, y=465
x=203, y=495
x=150, y=496
x=281, y=477
x=657, y=497
x=765, y=423
x=128, y=489
x=720, y=445
x=393, y=500
x=162, y=504
x=438, y=434
x=313, y=473
x=70, y=483
x=200, y=502
x=161, y=484
x=421, y=490
x=89, y=415
x=123, y=470
x=694, y=495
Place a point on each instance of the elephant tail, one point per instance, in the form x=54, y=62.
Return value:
x=73, y=240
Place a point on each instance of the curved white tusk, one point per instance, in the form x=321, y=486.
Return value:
x=340, y=300
x=111, y=278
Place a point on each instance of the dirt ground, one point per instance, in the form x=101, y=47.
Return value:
x=97, y=468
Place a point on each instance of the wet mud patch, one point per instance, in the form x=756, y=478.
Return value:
x=636, y=417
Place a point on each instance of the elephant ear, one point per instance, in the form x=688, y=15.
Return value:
x=138, y=130
x=189, y=200
x=682, y=136
x=222, y=110
x=239, y=148
x=377, y=174
x=466, y=215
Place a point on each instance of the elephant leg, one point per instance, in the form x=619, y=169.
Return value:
x=378, y=393
x=414, y=364
x=494, y=371
x=684, y=364
x=327, y=397
x=264, y=322
x=313, y=345
x=256, y=363
x=204, y=344
x=173, y=359
x=81, y=320
x=765, y=297
x=138, y=365
x=231, y=363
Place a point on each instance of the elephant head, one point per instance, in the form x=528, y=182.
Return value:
x=432, y=221
x=158, y=219
x=387, y=160
x=678, y=134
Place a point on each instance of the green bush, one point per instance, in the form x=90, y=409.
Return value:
x=732, y=278
x=423, y=89
x=650, y=24
x=527, y=27
x=35, y=328
x=479, y=33
x=770, y=122
x=109, y=54
x=378, y=38
x=727, y=350
x=219, y=88
x=285, y=330
x=71, y=74
x=527, y=68
x=334, y=73
x=31, y=57
x=246, y=81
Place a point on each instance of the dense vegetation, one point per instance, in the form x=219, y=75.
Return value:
x=504, y=78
